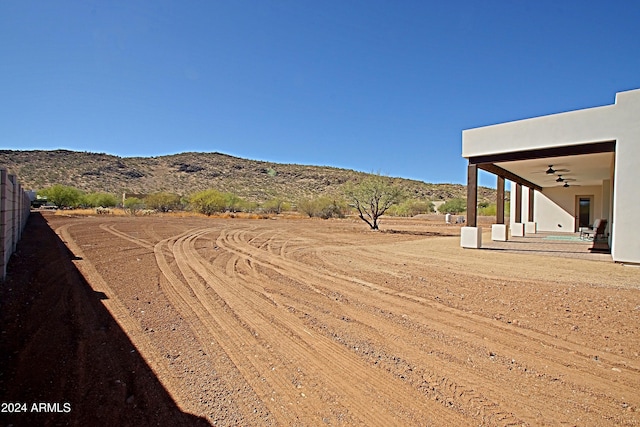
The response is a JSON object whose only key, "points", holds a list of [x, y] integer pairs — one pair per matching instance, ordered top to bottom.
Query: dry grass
{"points": [[176, 214]]}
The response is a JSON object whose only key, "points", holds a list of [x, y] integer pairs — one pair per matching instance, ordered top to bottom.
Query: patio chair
{"points": [[599, 226]]}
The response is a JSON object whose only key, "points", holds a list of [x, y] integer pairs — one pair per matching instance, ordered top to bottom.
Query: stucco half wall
{"points": [[618, 193]]}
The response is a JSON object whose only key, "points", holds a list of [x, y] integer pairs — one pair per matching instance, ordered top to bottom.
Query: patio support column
{"points": [[472, 195], [531, 195], [500, 201], [518, 204], [530, 227], [500, 231], [471, 234]]}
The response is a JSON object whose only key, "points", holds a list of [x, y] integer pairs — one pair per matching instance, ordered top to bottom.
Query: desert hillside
{"points": [[186, 173]]}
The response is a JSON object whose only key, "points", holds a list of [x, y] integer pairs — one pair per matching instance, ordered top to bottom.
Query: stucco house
{"points": [[567, 170]]}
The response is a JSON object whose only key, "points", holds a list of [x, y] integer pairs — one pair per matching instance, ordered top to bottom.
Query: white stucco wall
{"points": [[558, 130], [555, 210], [625, 241]]}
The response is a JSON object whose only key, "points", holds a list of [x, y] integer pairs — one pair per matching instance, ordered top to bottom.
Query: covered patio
{"points": [[566, 170]]}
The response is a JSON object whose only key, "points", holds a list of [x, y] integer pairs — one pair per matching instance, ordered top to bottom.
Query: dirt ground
{"points": [[283, 322]]}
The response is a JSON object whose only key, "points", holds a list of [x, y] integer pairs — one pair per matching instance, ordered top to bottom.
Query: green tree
{"points": [[62, 196], [372, 197], [105, 200], [162, 201], [208, 202], [232, 202], [133, 205], [246, 206], [274, 206], [454, 206], [306, 207], [324, 207], [330, 207], [412, 207], [486, 209], [491, 209]]}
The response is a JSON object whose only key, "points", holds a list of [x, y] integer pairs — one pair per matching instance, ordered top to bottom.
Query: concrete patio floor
{"points": [[566, 245]]}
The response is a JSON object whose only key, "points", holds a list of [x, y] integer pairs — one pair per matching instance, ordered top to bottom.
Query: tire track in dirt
{"points": [[180, 297], [227, 333], [232, 334], [547, 340], [300, 345], [533, 349], [565, 364], [602, 379], [579, 386], [440, 389], [488, 411]]}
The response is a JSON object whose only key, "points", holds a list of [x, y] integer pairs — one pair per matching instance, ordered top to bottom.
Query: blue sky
{"points": [[384, 86]]}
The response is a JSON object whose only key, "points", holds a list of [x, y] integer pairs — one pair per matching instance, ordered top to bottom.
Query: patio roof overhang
{"points": [[580, 164], [584, 164]]}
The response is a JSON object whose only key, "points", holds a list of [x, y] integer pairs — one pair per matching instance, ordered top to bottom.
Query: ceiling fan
{"points": [[552, 171], [564, 180]]}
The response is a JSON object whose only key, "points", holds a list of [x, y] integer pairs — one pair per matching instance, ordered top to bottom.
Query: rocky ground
{"points": [[203, 321]]}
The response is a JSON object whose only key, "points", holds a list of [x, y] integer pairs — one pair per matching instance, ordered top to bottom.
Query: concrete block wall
{"points": [[14, 212]]}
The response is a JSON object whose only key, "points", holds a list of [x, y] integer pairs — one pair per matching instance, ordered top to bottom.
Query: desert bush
{"points": [[62, 196], [104, 200], [162, 201], [212, 201], [208, 202], [233, 203], [132, 205], [247, 206], [275, 206], [306, 206], [454, 206], [323, 207], [329, 207], [412, 207], [491, 209], [487, 210]]}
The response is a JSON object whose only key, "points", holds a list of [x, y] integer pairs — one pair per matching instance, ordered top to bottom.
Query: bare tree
{"points": [[372, 197]]}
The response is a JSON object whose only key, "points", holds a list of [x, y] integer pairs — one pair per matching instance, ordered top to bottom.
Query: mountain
{"points": [[186, 173]]}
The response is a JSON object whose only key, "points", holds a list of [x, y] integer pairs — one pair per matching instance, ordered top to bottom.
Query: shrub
{"points": [[63, 196], [95, 200], [162, 201], [208, 202], [232, 202], [133, 204], [275, 206], [305, 206], [454, 206], [323, 207], [412, 207], [330, 208], [491, 209], [487, 210]]}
